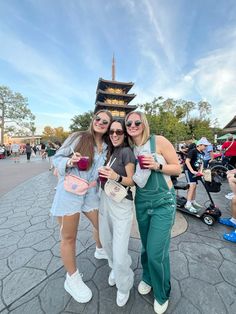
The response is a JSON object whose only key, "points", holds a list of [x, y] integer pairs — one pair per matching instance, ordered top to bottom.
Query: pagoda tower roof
{"points": [[103, 84], [113, 95], [102, 96], [110, 107]]}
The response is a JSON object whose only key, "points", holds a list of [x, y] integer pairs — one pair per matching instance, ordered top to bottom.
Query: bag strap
{"points": [[229, 146]]}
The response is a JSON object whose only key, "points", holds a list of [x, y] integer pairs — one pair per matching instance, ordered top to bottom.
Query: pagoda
{"points": [[113, 96]]}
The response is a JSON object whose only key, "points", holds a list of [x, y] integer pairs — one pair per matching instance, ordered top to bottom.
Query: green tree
{"points": [[188, 106], [204, 109], [13, 110], [81, 122], [201, 128], [54, 134]]}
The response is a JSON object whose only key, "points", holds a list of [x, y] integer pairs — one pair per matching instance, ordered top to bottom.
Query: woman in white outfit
{"points": [[115, 219]]}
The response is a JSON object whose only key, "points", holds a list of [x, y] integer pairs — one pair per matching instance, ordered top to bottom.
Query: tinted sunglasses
{"points": [[104, 121], [137, 123], [118, 132]]}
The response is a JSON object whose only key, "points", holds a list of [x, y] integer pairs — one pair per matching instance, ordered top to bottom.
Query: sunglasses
{"points": [[104, 121], [137, 123], [118, 132]]}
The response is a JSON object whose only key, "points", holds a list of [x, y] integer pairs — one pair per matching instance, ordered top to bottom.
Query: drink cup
{"points": [[140, 160], [83, 163], [102, 179]]}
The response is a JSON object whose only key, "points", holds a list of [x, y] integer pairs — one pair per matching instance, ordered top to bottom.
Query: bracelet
{"points": [[159, 167], [117, 178], [120, 179]]}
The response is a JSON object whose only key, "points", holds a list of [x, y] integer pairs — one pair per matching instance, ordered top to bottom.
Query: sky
{"points": [[54, 51]]}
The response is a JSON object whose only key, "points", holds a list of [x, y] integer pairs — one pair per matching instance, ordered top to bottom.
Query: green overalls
{"points": [[155, 211]]}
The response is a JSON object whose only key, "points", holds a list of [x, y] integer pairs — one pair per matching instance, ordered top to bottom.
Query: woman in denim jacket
{"points": [[67, 206]]}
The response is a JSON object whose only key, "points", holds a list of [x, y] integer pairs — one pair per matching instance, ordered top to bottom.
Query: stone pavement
{"points": [[32, 276]]}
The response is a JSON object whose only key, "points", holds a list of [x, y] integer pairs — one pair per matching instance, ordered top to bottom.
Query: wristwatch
{"points": [[160, 166]]}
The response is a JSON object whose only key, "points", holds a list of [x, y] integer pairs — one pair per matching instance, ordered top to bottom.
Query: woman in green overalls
{"points": [[155, 206]]}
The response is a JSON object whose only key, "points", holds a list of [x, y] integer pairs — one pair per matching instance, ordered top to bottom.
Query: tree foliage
{"points": [[14, 111], [174, 118], [81, 122], [54, 134]]}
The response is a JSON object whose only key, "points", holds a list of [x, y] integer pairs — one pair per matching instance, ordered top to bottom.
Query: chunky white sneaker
{"points": [[191, 209], [100, 253], [111, 279], [75, 286], [144, 288], [122, 298], [160, 308]]}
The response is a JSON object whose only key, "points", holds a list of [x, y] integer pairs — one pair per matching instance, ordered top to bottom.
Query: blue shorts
{"points": [[190, 177]]}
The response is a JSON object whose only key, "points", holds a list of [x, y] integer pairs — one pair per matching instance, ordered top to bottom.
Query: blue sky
{"points": [[54, 51]]}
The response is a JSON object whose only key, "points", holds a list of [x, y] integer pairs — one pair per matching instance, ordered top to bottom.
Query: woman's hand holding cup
{"points": [[147, 161]]}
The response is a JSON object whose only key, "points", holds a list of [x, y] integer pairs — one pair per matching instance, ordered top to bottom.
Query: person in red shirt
{"points": [[229, 151]]}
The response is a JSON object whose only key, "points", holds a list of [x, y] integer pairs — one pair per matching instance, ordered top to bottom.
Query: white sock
{"points": [[189, 203], [233, 220]]}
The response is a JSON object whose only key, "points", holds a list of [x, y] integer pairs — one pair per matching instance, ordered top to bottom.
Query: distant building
{"points": [[113, 96], [230, 127], [33, 140]]}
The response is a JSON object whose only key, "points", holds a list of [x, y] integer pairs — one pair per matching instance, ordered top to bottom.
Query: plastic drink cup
{"points": [[140, 160], [83, 163], [102, 179]]}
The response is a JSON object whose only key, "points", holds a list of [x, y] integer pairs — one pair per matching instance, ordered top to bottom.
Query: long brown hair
{"points": [[86, 142], [85, 145]]}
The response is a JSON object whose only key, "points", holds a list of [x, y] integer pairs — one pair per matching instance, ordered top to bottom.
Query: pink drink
{"points": [[140, 160], [83, 163]]}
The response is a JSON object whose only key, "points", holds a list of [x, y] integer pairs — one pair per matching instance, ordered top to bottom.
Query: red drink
{"points": [[140, 160], [83, 163], [102, 179]]}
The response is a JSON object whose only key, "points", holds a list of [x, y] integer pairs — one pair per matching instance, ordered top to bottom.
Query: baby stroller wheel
{"points": [[208, 220]]}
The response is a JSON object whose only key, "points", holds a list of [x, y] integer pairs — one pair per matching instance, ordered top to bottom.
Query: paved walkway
{"points": [[32, 276]]}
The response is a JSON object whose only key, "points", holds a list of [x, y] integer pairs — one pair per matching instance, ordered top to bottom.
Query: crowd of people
{"points": [[15, 150]]}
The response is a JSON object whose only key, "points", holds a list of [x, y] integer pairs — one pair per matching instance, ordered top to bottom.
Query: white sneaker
{"points": [[229, 196], [196, 205], [191, 209], [100, 253], [111, 279], [75, 286], [144, 288], [122, 298], [160, 309]]}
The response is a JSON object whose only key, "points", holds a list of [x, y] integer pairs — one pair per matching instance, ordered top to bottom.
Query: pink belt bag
{"points": [[77, 185]]}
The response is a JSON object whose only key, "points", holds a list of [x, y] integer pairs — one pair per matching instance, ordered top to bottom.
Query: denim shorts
{"points": [[190, 177]]}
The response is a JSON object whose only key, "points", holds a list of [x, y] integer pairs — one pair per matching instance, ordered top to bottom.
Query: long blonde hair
{"points": [[146, 129]]}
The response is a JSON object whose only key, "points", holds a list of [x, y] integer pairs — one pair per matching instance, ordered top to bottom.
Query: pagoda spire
{"points": [[113, 68]]}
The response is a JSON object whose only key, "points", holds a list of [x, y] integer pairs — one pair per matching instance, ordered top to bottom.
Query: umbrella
{"points": [[225, 136]]}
